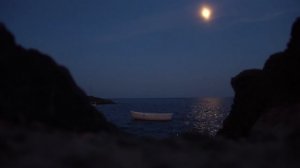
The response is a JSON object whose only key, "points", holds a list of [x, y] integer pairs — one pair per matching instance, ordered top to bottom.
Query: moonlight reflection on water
{"points": [[202, 115], [207, 115]]}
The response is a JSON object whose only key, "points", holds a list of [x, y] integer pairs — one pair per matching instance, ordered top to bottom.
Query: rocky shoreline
{"points": [[99, 101], [46, 120], [31, 148]]}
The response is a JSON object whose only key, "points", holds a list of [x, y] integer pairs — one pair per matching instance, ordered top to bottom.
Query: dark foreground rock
{"points": [[35, 89], [266, 92], [27, 148]]}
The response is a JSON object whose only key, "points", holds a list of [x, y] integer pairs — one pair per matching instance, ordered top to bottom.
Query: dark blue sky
{"points": [[152, 48]]}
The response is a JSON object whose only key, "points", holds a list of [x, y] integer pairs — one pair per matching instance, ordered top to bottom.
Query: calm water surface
{"points": [[203, 115]]}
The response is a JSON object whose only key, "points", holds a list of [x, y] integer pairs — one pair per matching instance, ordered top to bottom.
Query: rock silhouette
{"points": [[35, 89], [258, 92]]}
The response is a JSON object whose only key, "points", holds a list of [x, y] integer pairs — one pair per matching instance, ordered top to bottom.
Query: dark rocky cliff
{"points": [[35, 89], [257, 92]]}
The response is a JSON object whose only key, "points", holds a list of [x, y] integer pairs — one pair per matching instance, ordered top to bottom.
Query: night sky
{"points": [[153, 48]]}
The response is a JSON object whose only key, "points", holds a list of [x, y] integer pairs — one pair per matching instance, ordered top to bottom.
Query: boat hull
{"points": [[151, 116]]}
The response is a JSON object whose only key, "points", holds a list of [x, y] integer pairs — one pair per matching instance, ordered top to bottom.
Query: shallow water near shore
{"points": [[199, 115]]}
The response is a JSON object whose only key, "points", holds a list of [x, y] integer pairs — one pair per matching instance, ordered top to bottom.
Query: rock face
{"points": [[35, 89], [258, 92], [278, 123]]}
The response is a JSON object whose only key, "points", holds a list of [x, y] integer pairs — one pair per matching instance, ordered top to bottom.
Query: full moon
{"points": [[205, 12]]}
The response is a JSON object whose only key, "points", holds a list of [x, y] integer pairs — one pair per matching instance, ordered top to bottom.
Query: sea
{"points": [[190, 115]]}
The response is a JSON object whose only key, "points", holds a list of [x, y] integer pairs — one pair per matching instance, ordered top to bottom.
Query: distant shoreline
{"points": [[98, 101]]}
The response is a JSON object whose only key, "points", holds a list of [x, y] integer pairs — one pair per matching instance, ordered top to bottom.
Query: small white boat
{"points": [[151, 116]]}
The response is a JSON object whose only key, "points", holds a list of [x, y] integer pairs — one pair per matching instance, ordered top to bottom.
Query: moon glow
{"points": [[205, 13]]}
